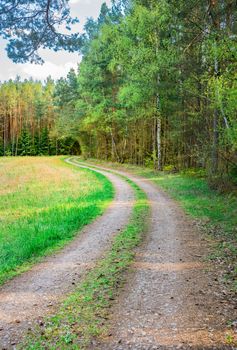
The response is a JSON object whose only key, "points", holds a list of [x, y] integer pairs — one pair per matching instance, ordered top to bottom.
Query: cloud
{"points": [[72, 2], [57, 64], [41, 72]]}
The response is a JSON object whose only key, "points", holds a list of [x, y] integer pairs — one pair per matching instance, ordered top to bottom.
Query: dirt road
{"points": [[26, 299], [172, 299]]}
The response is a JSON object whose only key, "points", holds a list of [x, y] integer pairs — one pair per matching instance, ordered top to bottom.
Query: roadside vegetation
{"points": [[44, 203], [214, 212], [84, 313]]}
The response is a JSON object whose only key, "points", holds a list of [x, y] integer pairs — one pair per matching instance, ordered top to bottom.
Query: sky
{"points": [[57, 64]]}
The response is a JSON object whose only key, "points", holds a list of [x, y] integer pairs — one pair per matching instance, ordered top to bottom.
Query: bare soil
{"points": [[173, 298], [26, 299]]}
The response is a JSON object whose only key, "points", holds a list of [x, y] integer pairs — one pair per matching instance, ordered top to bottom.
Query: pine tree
{"points": [[44, 142], [25, 146]]}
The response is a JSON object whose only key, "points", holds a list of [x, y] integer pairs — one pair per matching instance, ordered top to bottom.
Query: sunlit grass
{"points": [[200, 201], [44, 202], [215, 212], [83, 315]]}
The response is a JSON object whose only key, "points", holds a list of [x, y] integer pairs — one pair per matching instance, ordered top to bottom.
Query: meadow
{"points": [[44, 203]]}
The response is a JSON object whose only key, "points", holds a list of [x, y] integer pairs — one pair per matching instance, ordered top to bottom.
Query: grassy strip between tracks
{"points": [[215, 213], [84, 313]]}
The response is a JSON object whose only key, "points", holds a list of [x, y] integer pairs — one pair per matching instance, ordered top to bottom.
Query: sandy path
{"points": [[27, 298], [172, 299]]}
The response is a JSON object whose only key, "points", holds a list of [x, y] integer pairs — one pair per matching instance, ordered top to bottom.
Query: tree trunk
{"points": [[158, 131], [215, 138], [158, 139]]}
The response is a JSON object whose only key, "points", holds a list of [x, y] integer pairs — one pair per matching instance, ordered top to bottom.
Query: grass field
{"points": [[44, 202]]}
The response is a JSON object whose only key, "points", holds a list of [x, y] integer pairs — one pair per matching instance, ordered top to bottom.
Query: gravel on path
{"points": [[28, 298], [173, 298]]}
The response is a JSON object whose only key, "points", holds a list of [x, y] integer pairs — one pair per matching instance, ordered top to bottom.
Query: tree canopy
{"points": [[31, 24], [156, 86]]}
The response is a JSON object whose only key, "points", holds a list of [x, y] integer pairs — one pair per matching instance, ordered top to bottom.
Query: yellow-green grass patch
{"points": [[44, 203]]}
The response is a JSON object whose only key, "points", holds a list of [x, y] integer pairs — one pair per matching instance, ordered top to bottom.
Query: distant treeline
{"points": [[157, 86], [28, 120]]}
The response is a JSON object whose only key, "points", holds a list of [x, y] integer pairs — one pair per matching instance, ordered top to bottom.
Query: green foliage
{"points": [[28, 25], [163, 62], [156, 86], [29, 115], [44, 142], [25, 144], [1, 147], [233, 173]]}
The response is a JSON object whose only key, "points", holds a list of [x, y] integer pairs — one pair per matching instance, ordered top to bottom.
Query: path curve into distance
{"points": [[26, 299], [172, 299]]}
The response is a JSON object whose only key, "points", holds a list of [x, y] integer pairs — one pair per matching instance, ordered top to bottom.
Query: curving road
{"points": [[26, 299], [172, 299]]}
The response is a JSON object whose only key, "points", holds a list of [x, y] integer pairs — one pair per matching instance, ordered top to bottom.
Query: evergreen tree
{"points": [[30, 24], [156, 86], [44, 142], [25, 144]]}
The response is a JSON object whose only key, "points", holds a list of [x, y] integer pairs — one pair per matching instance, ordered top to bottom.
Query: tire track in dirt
{"points": [[26, 299], [172, 299]]}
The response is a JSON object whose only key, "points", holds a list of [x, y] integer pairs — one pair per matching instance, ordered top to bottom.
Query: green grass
{"points": [[200, 201], [44, 203], [216, 213], [84, 313]]}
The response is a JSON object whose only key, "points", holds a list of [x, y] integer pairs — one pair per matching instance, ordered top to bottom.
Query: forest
{"points": [[156, 87], [118, 181]]}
